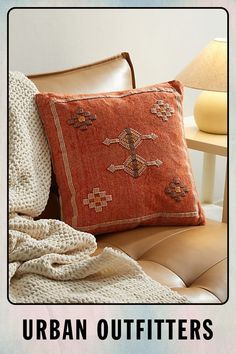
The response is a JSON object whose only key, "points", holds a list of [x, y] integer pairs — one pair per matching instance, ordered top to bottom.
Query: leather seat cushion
{"points": [[190, 260]]}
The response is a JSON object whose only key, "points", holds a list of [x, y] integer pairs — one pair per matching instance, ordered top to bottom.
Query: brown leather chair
{"points": [[190, 260]]}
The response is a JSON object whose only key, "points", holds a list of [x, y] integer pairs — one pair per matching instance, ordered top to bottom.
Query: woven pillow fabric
{"points": [[120, 158]]}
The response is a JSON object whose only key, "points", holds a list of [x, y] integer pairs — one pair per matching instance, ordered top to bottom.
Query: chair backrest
{"points": [[111, 74]]}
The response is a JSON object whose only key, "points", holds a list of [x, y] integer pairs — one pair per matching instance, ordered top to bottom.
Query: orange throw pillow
{"points": [[121, 159]]}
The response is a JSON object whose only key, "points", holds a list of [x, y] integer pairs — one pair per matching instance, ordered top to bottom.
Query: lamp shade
{"points": [[208, 71]]}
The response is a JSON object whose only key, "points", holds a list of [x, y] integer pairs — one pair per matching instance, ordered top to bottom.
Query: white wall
{"points": [[160, 41]]}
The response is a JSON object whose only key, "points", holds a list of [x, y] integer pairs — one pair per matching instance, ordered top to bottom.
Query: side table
{"points": [[211, 145]]}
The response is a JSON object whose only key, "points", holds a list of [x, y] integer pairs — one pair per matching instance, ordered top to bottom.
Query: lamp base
{"points": [[210, 112]]}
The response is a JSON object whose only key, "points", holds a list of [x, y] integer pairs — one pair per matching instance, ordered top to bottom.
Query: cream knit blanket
{"points": [[50, 262]]}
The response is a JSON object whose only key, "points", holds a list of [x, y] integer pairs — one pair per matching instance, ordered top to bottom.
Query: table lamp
{"points": [[208, 72]]}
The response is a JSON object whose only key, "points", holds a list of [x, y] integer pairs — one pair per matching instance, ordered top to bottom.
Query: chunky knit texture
{"points": [[30, 165], [50, 262]]}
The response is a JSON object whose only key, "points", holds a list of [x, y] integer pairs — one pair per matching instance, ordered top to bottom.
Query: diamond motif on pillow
{"points": [[162, 110], [81, 119], [129, 137], [134, 165], [176, 189], [97, 200]]}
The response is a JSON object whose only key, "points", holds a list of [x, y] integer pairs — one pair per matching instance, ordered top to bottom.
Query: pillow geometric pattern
{"points": [[120, 158], [135, 165]]}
